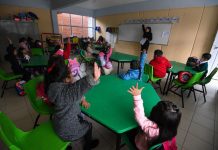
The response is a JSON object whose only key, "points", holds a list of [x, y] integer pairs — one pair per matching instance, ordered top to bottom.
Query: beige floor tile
{"points": [[203, 121], [201, 133], [180, 137], [194, 143]]}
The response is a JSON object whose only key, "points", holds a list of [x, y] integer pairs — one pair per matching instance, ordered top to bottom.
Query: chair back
{"points": [[37, 51], [148, 69], [2, 74], [209, 77], [194, 79], [37, 103], [9, 133], [156, 146]]}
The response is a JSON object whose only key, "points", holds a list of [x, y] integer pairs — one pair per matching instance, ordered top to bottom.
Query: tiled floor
{"points": [[198, 129]]}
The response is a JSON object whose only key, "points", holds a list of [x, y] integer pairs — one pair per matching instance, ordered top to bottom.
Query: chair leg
{"points": [[4, 87], [160, 87], [205, 89], [189, 93], [194, 93], [204, 93], [182, 98], [50, 117], [36, 121]]}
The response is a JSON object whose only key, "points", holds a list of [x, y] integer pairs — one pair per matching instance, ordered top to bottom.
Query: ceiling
{"points": [[95, 4]]}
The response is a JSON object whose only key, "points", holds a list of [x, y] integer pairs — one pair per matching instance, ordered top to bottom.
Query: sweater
{"points": [[160, 66], [131, 74], [66, 97], [150, 130]]}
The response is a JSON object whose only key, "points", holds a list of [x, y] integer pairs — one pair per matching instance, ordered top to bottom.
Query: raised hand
{"points": [[97, 72], [135, 90]]}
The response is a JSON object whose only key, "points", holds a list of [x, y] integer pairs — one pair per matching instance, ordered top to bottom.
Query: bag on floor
{"points": [[19, 87]]}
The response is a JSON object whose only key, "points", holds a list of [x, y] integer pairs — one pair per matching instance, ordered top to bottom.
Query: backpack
{"points": [[184, 76], [19, 87]]}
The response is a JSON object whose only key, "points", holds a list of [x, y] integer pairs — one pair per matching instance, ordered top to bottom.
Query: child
{"points": [[59, 50], [12, 57], [105, 62], [160, 64], [202, 65], [133, 72], [66, 96], [160, 127]]}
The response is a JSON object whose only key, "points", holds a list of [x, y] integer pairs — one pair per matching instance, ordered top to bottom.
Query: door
{"points": [[213, 62]]}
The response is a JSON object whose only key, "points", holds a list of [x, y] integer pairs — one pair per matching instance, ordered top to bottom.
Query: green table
{"points": [[122, 58], [37, 61], [177, 67], [112, 105]]}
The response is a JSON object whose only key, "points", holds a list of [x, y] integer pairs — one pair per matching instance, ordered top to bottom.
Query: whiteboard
{"points": [[133, 32]]}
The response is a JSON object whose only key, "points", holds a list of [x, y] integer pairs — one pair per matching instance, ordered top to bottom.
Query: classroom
{"points": [[109, 75]]}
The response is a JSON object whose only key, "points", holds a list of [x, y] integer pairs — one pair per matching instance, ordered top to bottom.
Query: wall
{"points": [[44, 22], [193, 35]]}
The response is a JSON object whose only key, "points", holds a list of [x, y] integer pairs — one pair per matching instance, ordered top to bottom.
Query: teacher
{"points": [[147, 37]]}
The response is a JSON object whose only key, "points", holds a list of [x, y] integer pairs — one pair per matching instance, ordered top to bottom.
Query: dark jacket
{"points": [[148, 36], [202, 67], [66, 98]]}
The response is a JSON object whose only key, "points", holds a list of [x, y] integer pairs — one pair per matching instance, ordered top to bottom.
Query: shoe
{"points": [[94, 143]]}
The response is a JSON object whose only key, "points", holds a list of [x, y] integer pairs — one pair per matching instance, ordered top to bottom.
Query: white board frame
{"points": [[133, 32]]}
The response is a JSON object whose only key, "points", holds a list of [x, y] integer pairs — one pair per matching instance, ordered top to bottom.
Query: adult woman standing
{"points": [[147, 37]]}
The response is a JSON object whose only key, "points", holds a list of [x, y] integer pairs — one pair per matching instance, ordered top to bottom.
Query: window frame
{"points": [[70, 25]]}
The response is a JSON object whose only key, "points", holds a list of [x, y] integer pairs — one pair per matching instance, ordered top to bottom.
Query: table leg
{"points": [[122, 65], [118, 67], [170, 82], [164, 90], [118, 142]]}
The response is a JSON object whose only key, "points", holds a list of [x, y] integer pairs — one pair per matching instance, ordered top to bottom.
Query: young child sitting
{"points": [[105, 62], [160, 64], [202, 64], [133, 72], [66, 98], [160, 127]]}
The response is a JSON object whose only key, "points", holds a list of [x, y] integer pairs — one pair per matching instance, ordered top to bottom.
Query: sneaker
{"points": [[94, 143]]}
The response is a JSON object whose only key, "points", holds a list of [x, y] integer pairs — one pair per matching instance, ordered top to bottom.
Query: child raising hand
{"points": [[160, 127]]}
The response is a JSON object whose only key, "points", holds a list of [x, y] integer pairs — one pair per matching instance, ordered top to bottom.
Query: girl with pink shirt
{"points": [[160, 127]]}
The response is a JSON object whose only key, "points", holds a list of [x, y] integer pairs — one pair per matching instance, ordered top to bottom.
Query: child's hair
{"points": [[149, 28], [23, 39], [158, 53], [206, 56], [134, 64], [57, 71], [167, 116]]}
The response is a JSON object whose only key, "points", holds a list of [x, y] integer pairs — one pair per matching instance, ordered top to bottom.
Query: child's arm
{"points": [[67, 50], [79, 88], [84, 103], [148, 127]]}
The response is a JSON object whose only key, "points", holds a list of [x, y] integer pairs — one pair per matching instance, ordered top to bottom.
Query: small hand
{"points": [[9, 40], [97, 72], [135, 90], [85, 104]]}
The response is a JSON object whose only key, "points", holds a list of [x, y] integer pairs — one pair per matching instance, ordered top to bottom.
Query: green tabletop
{"points": [[121, 57], [37, 61], [177, 67], [112, 105]]}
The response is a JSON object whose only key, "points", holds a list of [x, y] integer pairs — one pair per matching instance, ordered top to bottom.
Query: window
{"points": [[75, 25]]}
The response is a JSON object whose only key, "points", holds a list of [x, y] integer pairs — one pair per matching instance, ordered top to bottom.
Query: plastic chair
{"points": [[37, 51], [148, 69], [5, 77], [206, 81], [187, 86], [37, 103], [41, 138], [154, 147]]}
